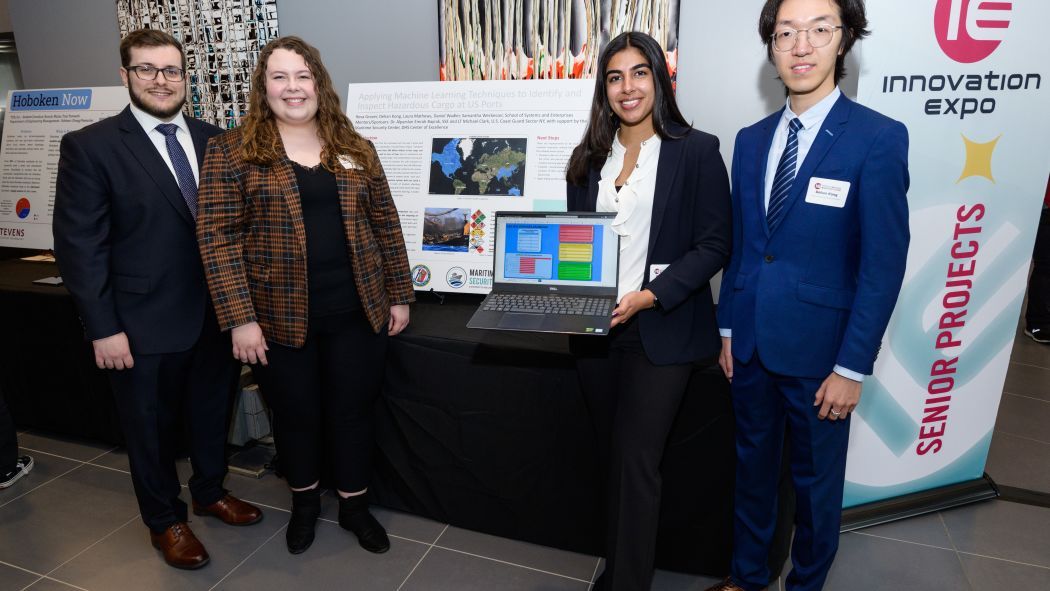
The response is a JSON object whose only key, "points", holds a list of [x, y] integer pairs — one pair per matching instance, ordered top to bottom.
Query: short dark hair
{"points": [[854, 23], [147, 38], [603, 123]]}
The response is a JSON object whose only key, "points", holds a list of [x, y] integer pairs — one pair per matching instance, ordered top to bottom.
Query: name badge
{"points": [[348, 162], [827, 192], [655, 270]]}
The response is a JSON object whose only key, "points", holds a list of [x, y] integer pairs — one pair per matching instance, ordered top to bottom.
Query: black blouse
{"points": [[330, 277]]}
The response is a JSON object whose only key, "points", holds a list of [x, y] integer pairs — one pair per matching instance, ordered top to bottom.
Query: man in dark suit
{"points": [[124, 225], [820, 238]]}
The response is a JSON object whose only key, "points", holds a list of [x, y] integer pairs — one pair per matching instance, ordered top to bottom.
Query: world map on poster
{"points": [[478, 166]]}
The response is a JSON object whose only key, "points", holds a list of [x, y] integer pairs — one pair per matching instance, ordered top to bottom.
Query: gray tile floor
{"points": [[73, 524]]}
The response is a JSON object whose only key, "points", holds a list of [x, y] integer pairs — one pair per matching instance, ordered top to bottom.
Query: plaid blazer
{"points": [[253, 243]]}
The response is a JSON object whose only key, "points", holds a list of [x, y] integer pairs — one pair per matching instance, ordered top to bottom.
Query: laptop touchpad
{"points": [[520, 321]]}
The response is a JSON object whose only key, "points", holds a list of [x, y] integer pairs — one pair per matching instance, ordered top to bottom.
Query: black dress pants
{"points": [[1037, 315], [324, 394], [155, 399], [633, 404], [8, 438]]}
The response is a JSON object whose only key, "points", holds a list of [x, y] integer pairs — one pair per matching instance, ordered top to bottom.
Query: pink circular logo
{"points": [[969, 31], [816, 186]]}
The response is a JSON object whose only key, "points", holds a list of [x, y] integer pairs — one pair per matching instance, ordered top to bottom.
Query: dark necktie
{"points": [[181, 164], [785, 176]]}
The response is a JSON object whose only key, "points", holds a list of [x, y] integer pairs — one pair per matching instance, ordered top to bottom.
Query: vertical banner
{"points": [[972, 92], [35, 122]]}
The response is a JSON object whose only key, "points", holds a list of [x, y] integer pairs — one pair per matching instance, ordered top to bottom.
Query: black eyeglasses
{"points": [[171, 74]]}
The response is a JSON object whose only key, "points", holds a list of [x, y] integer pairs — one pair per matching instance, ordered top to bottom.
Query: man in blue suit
{"points": [[820, 238]]}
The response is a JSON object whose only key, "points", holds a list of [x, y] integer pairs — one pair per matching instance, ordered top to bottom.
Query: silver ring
{"points": [[835, 413]]}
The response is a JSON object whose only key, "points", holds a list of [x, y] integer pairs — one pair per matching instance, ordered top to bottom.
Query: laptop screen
{"points": [[563, 249]]}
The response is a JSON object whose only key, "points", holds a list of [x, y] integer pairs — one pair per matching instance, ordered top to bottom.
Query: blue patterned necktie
{"points": [[181, 164], [785, 176]]}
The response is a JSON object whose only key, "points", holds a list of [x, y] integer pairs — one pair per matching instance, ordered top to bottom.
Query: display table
{"points": [[47, 369], [483, 430]]}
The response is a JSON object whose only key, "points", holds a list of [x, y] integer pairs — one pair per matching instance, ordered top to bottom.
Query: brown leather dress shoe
{"points": [[230, 510], [181, 548], [726, 585]]}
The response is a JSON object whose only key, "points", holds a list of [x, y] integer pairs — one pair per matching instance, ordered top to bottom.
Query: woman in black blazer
{"points": [[668, 185]]}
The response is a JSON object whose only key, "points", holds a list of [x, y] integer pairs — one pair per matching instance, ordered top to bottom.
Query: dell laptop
{"points": [[552, 272]]}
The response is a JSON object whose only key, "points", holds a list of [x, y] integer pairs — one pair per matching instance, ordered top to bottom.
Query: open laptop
{"points": [[552, 272]]}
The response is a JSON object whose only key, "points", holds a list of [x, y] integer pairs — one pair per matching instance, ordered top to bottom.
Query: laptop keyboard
{"points": [[548, 304]]}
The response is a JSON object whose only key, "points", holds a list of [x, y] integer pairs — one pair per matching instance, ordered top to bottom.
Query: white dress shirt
{"points": [[812, 120], [149, 124], [633, 205]]}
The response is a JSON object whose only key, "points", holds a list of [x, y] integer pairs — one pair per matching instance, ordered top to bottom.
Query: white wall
{"points": [[76, 42], [725, 81]]}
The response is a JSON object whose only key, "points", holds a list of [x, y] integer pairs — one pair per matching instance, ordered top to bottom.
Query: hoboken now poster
{"points": [[973, 94]]}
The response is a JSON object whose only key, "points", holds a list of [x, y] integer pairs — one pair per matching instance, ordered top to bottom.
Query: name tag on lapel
{"points": [[348, 162], [827, 192], [655, 270]]}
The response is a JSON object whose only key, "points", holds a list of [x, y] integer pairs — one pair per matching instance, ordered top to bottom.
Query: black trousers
{"points": [[1037, 314], [323, 394], [159, 396], [633, 404], [8, 438]]}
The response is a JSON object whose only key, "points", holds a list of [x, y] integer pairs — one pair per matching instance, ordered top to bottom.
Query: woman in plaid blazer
{"points": [[306, 265]]}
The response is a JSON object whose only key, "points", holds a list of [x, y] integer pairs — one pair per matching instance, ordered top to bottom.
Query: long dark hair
{"points": [[854, 28], [601, 129]]}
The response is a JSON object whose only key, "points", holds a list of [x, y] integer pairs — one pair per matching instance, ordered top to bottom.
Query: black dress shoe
{"points": [[306, 508], [354, 516]]}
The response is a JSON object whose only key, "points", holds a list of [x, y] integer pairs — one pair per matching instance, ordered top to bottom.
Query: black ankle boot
{"points": [[306, 508], [354, 516]]}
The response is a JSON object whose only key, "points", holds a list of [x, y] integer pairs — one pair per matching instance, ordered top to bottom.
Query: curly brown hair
{"points": [[262, 142]]}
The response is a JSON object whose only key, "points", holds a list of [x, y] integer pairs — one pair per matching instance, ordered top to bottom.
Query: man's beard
{"points": [[156, 112]]}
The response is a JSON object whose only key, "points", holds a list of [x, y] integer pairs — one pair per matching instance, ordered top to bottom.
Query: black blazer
{"points": [[691, 231], [125, 240]]}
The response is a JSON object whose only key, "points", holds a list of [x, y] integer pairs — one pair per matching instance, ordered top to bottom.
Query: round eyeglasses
{"points": [[818, 36], [171, 74]]}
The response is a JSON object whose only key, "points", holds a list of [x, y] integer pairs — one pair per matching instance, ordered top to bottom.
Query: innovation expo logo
{"points": [[969, 31], [22, 208]]}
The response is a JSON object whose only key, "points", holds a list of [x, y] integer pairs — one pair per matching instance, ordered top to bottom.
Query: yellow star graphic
{"points": [[978, 158]]}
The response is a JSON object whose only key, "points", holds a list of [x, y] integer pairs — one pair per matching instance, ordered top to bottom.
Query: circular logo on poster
{"points": [[969, 31], [22, 208], [420, 275], [456, 277]]}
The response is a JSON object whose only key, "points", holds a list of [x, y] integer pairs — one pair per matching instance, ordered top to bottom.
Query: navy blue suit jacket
{"points": [[690, 232], [125, 240], [819, 290]]}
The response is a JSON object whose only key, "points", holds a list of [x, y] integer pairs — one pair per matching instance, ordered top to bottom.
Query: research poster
{"points": [[973, 93], [34, 124], [454, 153]]}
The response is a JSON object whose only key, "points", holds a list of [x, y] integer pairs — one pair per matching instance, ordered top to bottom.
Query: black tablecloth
{"points": [[47, 369], [483, 430], [487, 430]]}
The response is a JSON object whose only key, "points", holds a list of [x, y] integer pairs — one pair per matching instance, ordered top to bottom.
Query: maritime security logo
{"points": [[968, 32], [456, 277]]}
